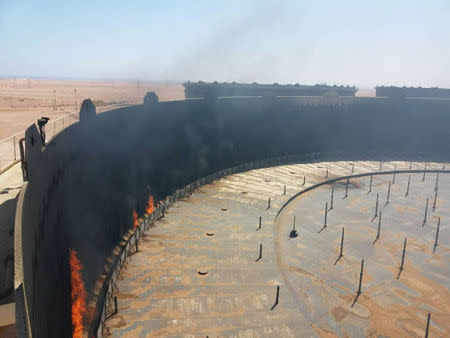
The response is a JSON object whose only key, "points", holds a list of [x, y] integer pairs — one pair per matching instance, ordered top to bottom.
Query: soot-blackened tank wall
{"points": [[88, 180]]}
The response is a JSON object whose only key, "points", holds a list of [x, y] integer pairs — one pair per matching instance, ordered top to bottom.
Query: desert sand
{"points": [[23, 101]]}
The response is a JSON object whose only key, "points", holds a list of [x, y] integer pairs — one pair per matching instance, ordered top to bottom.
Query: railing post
{"points": [[14, 142]]}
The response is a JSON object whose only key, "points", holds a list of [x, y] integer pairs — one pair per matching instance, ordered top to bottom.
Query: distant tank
{"points": [[205, 89]]}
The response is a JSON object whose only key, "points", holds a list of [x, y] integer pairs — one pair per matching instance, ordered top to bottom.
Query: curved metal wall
{"points": [[85, 183]]}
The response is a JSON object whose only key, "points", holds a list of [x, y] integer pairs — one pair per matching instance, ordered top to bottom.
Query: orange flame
{"points": [[150, 205], [135, 219], [78, 294]]}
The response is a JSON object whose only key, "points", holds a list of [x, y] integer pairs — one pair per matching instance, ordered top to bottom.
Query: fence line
{"points": [[9, 147]]}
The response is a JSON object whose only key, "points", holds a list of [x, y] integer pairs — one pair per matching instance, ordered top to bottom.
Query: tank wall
{"points": [[84, 185]]}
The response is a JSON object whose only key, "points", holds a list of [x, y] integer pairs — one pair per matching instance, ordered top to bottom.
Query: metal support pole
{"points": [[14, 142], [381, 165], [353, 168], [424, 172], [326, 173], [393, 178], [304, 180], [437, 181], [370, 184], [346, 187], [407, 187], [284, 191], [388, 194], [332, 197], [435, 197], [268, 204], [376, 208], [426, 212], [326, 215], [259, 223], [379, 227], [293, 233], [437, 235], [341, 252], [260, 253], [403, 258], [360, 277], [358, 293], [276, 300], [428, 325]]}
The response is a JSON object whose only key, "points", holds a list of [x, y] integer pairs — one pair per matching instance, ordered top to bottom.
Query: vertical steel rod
{"points": [[14, 142], [381, 165], [353, 168], [395, 170], [424, 172], [326, 174], [304, 179], [437, 181], [370, 184], [346, 187], [407, 187], [284, 191], [388, 194], [332, 197], [435, 197], [376, 208], [426, 212], [326, 215], [294, 222], [379, 226], [437, 235], [341, 252], [260, 253], [403, 255], [360, 277], [276, 300], [428, 325]]}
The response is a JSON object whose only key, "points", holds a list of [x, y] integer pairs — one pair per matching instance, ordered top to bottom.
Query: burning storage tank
{"points": [[93, 193]]}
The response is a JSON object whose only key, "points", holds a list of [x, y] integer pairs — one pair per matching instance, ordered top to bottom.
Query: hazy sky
{"points": [[365, 43]]}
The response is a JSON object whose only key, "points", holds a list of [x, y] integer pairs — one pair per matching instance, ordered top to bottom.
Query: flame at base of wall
{"points": [[150, 205], [135, 219], [78, 295]]}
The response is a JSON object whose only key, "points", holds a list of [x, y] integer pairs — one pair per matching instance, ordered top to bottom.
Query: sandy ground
{"points": [[22, 101]]}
